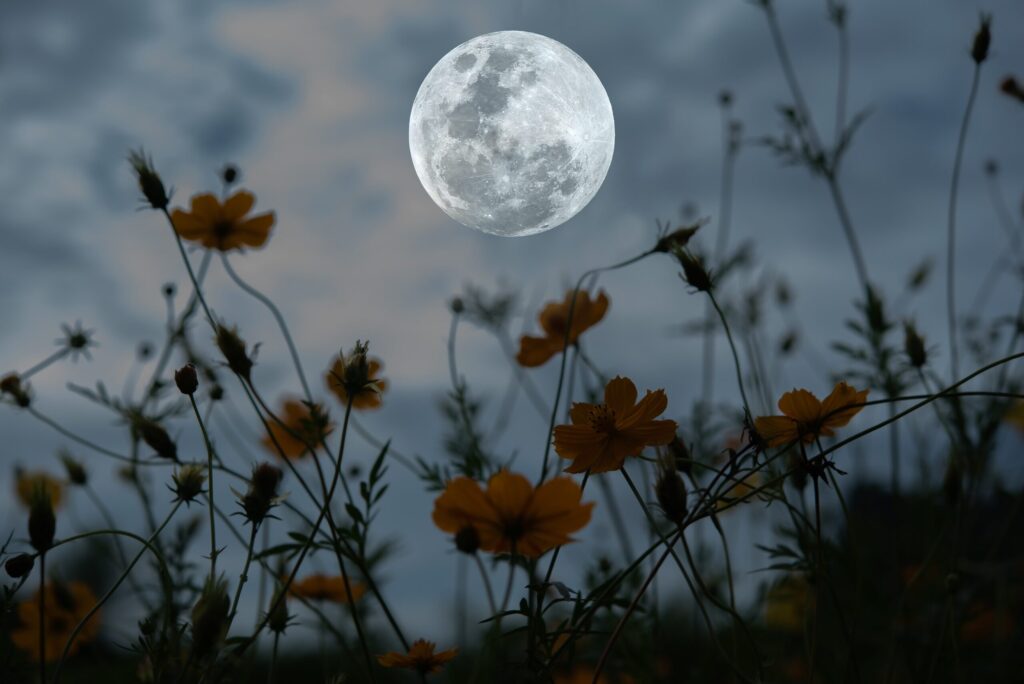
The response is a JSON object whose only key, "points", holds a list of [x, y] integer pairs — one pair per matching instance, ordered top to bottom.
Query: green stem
{"points": [[951, 234], [735, 354], [209, 467], [244, 577], [110, 592], [42, 619]]}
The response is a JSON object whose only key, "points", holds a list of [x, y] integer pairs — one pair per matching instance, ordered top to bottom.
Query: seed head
{"points": [[982, 39], [150, 184], [694, 273], [913, 345], [233, 349], [11, 384], [153, 434], [74, 468], [188, 482], [671, 492], [261, 496], [42, 523], [210, 618]]}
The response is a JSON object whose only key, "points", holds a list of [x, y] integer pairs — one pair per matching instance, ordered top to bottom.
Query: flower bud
{"points": [[982, 40], [229, 174], [150, 184], [678, 238], [694, 273], [457, 305], [913, 345], [233, 349], [187, 379], [11, 384], [157, 439], [680, 454], [75, 470], [188, 482], [671, 492], [261, 496], [42, 523], [467, 539], [19, 565], [279, 618], [210, 619]]}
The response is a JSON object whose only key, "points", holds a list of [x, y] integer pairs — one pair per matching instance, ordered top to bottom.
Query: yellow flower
{"points": [[223, 226], [535, 351], [369, 394], [806, 417], [302, 427], [603, 435], [26, 482], [511, 514], [319, 587], [787, 603], [66, 605], [421, 657]]}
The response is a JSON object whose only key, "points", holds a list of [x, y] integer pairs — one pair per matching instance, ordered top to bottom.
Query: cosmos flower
{"points": [[223, 226], [535, 351], [359, 375], [807, 418], [304, 425], [603, 435], [26, 482], [511, 514], [320, 587], [66, 605], [421, 657]]}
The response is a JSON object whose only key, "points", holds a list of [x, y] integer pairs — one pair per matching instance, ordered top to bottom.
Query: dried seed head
{"points": [[982, 39], [150, 184], [678, 238], [694, 273], [913, 345], [233, 349], [187, 379], [153, 434], [74, 468], [188, 482], [671, 492], [261, 495], [42, 523], [467, 540], [278, 617], [210, 618]]}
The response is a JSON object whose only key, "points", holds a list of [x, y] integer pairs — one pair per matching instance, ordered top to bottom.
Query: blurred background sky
{"points": [[311, 99]]}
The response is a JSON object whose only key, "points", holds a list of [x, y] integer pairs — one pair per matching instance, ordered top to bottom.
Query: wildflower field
{"points": [[239, 509]]}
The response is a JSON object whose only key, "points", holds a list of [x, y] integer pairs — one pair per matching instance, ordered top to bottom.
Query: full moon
{"points": [[511, 133]]}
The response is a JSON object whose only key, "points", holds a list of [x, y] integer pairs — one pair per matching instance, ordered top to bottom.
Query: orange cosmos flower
{"points": [[223, 226], [535, 351], [357, 370], [806, 418], [303, 426], [603, 435], [26, 482], [511, 514], [320, 587], [66, 605], [421, 657]]}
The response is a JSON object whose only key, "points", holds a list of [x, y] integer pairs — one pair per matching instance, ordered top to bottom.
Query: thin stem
{"points": [[951, 235], [191, 274], [267, 302], [735, 354], [52, 358], [209, 469], [244, 577], [487, 584], [110, 592], [42, 618]]}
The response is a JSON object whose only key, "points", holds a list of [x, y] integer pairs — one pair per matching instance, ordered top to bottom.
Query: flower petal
{"points": [[238, 205], [206, 206], [255, 231], [535, 351], [620, 395], [841, 405], [801, 406], [647, 409], [776, 430], [652, 432], [573, 440], [509, 494], [463, 502]]}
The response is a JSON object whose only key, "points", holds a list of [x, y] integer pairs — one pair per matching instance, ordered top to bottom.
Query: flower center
{"points": [[222, 229], [602, 419], [515, 528]]}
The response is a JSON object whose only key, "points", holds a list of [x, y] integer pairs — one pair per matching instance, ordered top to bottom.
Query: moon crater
{"points": [[511, 133]]}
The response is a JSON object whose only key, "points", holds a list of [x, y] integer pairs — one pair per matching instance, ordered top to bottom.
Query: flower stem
{"points": [[951, 234], [735, 354], [52, 358], [209, 467], [244, 577], [487, 584], [110, 592], [42, 618]]}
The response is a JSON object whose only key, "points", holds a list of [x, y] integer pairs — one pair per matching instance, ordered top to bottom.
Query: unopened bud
{"points": [[982, 39], [229, 173], [150, 184], [694, 273], [457, 305], [187, 379], [11, 384], [680, 454], [671, 492], [261, 496], [42, 523], [19, 565], [278, 618], [210, 619]]}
